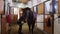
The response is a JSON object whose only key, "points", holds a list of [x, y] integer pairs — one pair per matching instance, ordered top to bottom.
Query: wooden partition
{"points": [[1, 6], [58, 6], [40, 8], [12, 19], [15, 19], [3, 21], [46, 28]]}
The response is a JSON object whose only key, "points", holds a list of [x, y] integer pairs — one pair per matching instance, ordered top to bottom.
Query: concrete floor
{"points": [[14, 29]]}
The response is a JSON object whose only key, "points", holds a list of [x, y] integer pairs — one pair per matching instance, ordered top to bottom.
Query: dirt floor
{"points": [[25, 30]]}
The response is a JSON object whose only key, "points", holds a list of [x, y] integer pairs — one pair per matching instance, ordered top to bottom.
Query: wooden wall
{"points": [[1, 6], [58, 6], [40, 8], [4, 22], [3, 25], [3, 28], [46, 28]]}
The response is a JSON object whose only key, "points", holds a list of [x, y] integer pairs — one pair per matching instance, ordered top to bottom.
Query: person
{"points": [[20, 19], [30, 19]]}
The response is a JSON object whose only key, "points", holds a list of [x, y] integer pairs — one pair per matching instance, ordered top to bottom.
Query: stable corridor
{"points": [[47, 20], [14, 29]]}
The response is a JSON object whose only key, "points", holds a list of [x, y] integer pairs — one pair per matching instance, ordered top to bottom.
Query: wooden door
{"points": [[46, 28]]}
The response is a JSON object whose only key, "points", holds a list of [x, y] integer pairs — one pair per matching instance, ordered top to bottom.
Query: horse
{"points": [[30, 17]]}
